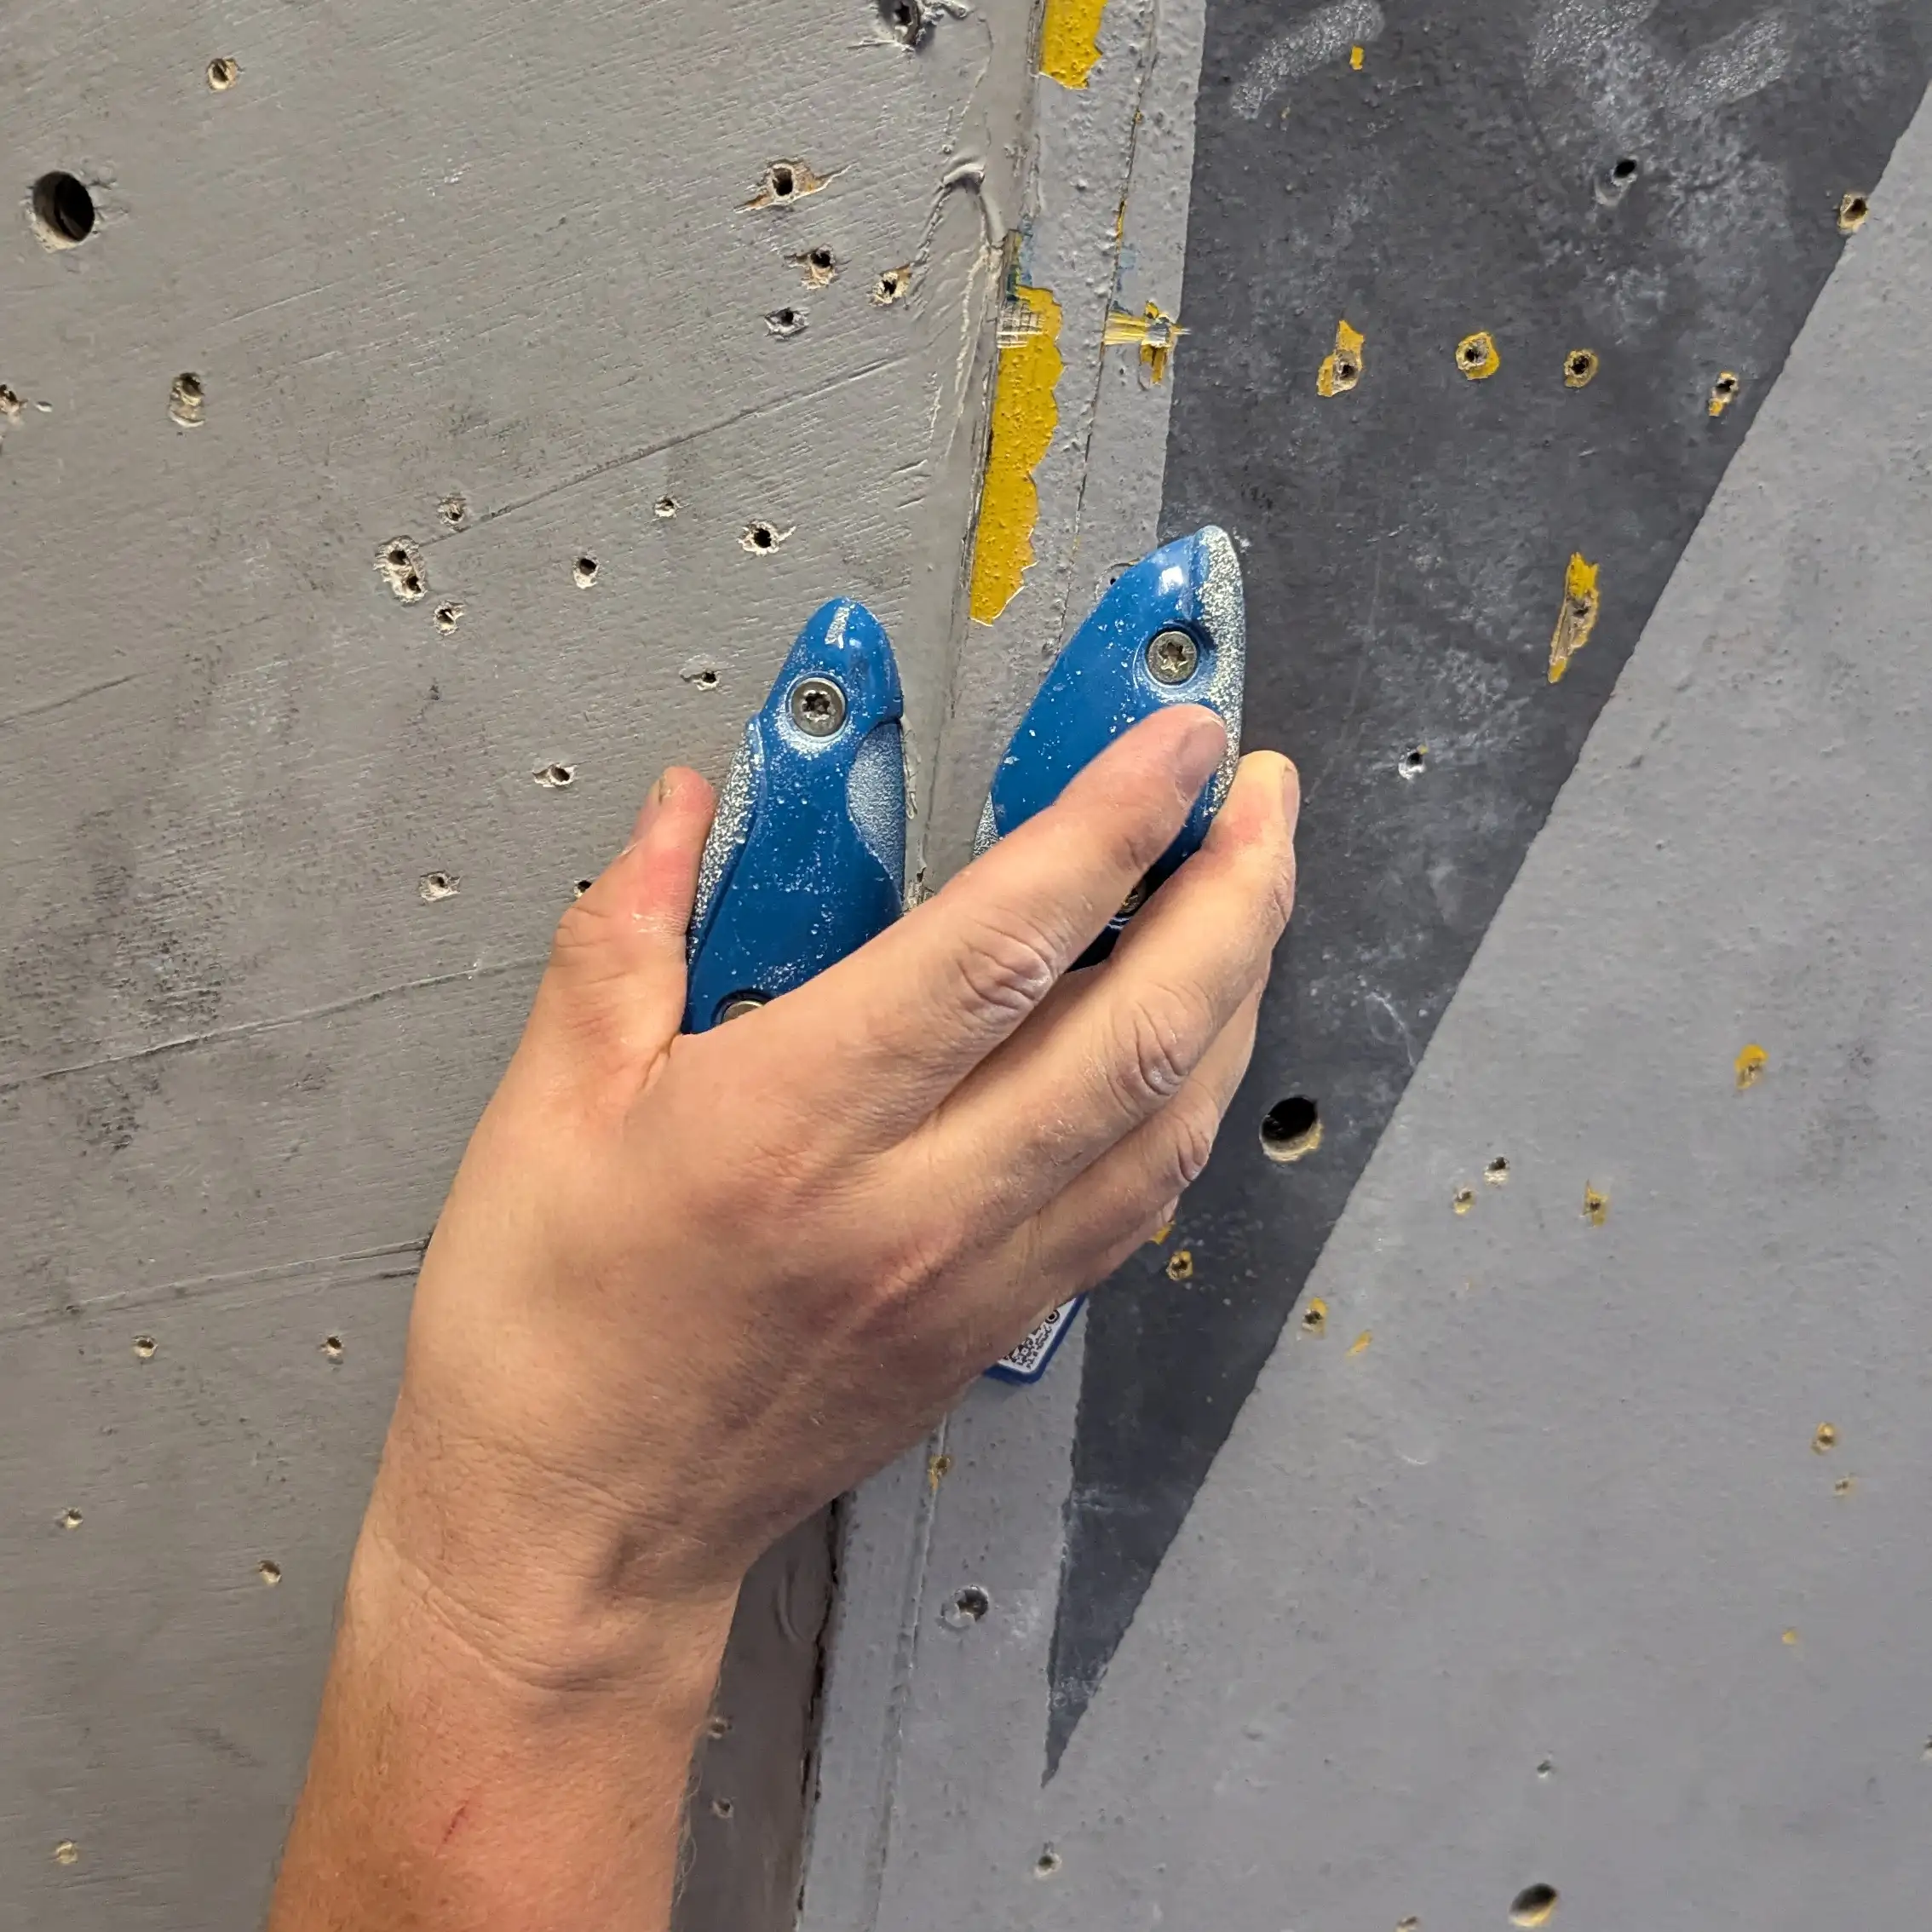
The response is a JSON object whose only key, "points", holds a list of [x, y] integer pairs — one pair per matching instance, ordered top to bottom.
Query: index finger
{"points": [[897, 1025]]}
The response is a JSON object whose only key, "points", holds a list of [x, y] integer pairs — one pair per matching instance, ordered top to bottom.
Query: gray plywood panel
{"points": [[409, 259]]}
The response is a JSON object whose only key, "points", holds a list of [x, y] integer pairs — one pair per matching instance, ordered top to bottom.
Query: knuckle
{"points": [[1006, 969], [1156, 1052], [1192, 1127]]}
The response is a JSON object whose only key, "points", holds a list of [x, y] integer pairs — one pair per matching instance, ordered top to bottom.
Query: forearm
{"points": [[452, 1790]]}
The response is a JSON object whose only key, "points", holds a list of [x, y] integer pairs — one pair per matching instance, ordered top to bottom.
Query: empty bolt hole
{"points": [[904, 20], [223, 73], [1626, 170], [781, 181], [63, 210], [1853, 211], [891, 285], [786, 321], [665, 506], [453, 510], [759, 535], [584, 572], [448, 617], [1415, 761], [555, 778], [433, 886], [581, 887], [1290, 1128], [1496, 1173], [143, 1346], [332, 1346], [70, 1519], [270, 1571], [969, 1605], [717, 1725], [1546, 1767], [722, 1808], [66, 1852], [1046, 1864], [1535, 1905]]}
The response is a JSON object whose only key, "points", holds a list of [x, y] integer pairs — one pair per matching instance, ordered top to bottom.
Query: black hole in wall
{"points": [[1626, 170], [783, 181], [64, 207], [820, 258], [762, 535], [1288, 1127], [971, 1604], [1533, 1905]]}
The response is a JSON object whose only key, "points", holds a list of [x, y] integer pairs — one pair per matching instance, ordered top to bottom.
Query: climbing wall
{"points": [[414, 433], [1496, 1501]]}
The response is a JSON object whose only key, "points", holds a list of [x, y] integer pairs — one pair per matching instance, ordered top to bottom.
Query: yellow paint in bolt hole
{"points": [[1070, 40], [1357, 54], [1156, 332], [1478, 357], [1344, 369], [1724, 391], [1024, 417], [1582, 601], [1751, 1065], [1464, 1199], [1596, 1206], [1181, 1265], [1314, 1317], [1361, 1342], [1824, 1439], [938, 1468], [66, 1852]]}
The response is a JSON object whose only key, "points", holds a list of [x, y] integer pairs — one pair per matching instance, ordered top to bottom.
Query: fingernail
{"points": [[1198, 751], [1290, 792], [653, 802]]}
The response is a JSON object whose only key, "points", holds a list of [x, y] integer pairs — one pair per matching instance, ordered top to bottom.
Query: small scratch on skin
{"points": [[1327, 34]]}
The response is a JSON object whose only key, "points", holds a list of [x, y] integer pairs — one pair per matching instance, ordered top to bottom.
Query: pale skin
{"points": [[686, 1290]]}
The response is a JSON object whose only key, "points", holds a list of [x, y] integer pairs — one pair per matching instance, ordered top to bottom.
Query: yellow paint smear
{"points": [[1070, 40], [1356, 56], [1155, 331], [1478, 357], [1344, 369], [1024, 417], [1582, 601], [1751, 1065], [1596, 1206], [1361, 1342], [937, 1468]]}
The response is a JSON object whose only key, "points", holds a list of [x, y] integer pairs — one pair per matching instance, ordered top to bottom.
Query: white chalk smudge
{"points": [[1573, 30], [1313, 41], [1745, 62]]}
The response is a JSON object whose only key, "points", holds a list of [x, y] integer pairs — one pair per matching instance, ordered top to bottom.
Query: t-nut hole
{"points": [[63, 209], [1290, 1128], [969, 1606], [1535, 1905]]}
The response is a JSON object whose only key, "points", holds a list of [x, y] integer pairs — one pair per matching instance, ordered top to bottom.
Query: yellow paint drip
{"points": [[1070, 40], [1155, 331], [1478, 357], [1344, 369], [1024, 417], [1582, 601], [1751, 1065], [1361, 1342]]}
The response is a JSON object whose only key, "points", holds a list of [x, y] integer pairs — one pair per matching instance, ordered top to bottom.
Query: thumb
{"points": [[614, 988]]}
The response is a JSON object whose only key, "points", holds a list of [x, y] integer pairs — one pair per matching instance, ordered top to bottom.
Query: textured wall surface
{"points": [[280, 860]]}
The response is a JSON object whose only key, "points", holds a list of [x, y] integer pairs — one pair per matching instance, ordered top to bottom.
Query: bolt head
{"points": [[1172, 657], [817, 706]]}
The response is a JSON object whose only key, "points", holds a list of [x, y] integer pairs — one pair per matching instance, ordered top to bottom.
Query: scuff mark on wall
{"points": [[1328, 33], [1070, 40], [1743, 63], [1024, 417], [1582, 601]]}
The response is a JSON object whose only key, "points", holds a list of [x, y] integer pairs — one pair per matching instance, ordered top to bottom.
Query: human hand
{"points": [[688, 1288]]}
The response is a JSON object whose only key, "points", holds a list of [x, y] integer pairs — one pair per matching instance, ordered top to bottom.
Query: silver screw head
{"points": [[1172, 657], [818, 706], [739, 1004]]}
